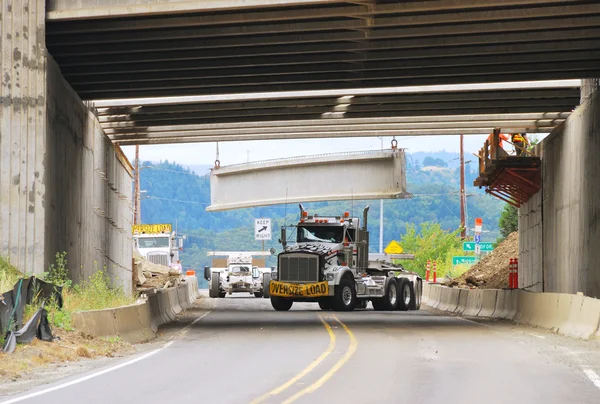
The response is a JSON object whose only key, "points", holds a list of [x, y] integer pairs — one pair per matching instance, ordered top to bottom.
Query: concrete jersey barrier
{"points": [[572, 315], [138, 322]]}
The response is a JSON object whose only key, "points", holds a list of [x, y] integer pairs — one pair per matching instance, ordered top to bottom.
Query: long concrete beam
{"points": [[330, 177]]}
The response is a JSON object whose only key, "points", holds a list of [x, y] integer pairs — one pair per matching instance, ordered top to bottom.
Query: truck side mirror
{"points": [[180, 243], [207, 273]]}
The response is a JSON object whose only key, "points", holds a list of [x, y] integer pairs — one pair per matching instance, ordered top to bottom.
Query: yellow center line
{"points": [[338, 365], [306, 370]]}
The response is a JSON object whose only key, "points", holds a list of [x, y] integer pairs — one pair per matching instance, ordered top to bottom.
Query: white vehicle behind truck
{"points": [[158, 243], [330, 265], [238, 272]]}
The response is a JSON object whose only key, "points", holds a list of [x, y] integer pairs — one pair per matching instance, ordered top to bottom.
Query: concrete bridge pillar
{"points": [[588, 86], [22, 133]]}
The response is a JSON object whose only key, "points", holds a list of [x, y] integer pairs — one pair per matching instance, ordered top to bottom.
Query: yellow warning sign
{"points": [[393, 248]]}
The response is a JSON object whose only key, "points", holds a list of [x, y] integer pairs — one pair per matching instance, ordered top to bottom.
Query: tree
{"points": [[437, 162], [509, 220]]}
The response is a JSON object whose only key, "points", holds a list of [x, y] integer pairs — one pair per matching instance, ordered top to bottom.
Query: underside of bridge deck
{"points": [[252, 46]]}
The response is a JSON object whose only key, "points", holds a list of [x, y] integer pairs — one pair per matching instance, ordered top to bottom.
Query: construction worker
{"points": [[501, 137], [520, 141]]}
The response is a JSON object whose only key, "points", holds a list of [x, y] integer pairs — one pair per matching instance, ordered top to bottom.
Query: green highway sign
{"points": [[470, 246], [463, 260]]}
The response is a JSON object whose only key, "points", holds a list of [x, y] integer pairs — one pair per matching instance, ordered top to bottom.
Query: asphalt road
{"points": [[242, 351]]}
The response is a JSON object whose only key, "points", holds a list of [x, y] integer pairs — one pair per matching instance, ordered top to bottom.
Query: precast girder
{"points": [[329, 177]]}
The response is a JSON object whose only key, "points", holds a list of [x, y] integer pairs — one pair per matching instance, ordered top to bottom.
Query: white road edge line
{"points": [[100, 373], [593, 376]]}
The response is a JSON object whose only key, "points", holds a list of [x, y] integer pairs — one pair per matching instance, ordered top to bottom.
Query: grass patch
{"points": [[9, 275], [95, 294]]}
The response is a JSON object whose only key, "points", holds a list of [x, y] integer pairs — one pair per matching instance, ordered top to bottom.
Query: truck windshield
{"points": [[324, 234], [153, 242], [240, 270]]}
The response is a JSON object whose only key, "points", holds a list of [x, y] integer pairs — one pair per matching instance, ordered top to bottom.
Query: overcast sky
{"points": [[239, 152]]}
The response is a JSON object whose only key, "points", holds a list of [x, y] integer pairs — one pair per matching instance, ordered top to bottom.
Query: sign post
{"points": [[478, 229], [262, 230]]}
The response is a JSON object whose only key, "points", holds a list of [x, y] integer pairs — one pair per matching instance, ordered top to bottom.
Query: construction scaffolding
{"points": [[509, 177]]}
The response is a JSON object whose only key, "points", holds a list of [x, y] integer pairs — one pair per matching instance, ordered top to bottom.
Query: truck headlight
{"points": [[274, 275], [330, 277]]}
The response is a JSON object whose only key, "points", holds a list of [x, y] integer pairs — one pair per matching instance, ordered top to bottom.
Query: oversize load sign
{"points": [[151, 228], [294, 290]]}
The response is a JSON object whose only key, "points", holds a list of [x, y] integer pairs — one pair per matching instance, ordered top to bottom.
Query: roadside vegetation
{"points": [[430, 242], [93, 294]]}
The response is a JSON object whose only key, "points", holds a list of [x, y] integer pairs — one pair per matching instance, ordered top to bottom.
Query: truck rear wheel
{"points": [[417, 289], [213, 290], [258, 294], [406, 295], [344, 298], [389, 301], [281, 303]]}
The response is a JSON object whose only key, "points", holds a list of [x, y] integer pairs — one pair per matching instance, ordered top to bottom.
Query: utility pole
{"points": [[137, 214], [381, 215], [463, 232]]}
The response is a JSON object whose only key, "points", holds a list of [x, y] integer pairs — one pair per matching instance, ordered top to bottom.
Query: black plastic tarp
{"points": [[12, 307]]}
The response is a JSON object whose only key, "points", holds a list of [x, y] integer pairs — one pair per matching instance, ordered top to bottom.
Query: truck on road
{"points": [[158, 243], [330, 265], [239, 272]]}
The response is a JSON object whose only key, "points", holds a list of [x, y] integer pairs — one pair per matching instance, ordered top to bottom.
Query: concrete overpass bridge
{"points": [[65, 186]]}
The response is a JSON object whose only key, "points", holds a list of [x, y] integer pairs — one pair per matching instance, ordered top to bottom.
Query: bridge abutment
{"points": [[63, 185], [560, 227]]}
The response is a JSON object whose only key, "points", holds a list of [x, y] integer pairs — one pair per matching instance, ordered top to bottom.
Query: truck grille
{"points": [[161, 259], [299, 268]]}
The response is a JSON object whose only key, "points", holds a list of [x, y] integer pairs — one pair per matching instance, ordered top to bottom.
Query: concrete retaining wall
{"points": [[88, 189], [572, 315], [139, 322]]}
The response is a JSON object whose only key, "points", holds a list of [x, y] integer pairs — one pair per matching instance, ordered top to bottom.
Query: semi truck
{"points": [[158, 243], [329, 264], [238, 272]]}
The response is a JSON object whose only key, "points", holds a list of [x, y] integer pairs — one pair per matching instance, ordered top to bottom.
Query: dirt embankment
{"points": [[492, 271]]}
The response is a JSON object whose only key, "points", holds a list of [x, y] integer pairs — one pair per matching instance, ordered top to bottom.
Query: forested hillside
{"points": [[175, 194]]}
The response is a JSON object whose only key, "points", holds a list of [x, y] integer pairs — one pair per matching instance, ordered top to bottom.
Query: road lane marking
{"points": [[184, 330], [170, 342], [338, 365], [304, 371], [593, 376], [88, 377]]}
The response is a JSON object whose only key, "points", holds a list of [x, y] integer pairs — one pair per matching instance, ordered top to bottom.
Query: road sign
{"points": [[262, 229], [477, 238], [471, 246], [393, 248], [463, 260]]}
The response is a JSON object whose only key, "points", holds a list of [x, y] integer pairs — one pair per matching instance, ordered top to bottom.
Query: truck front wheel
{"points": [[258, 294], [345, 296], [281, 303], [325, 303]]}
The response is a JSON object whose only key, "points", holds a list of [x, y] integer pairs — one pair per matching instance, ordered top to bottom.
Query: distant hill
{"points": [[177, 194]]}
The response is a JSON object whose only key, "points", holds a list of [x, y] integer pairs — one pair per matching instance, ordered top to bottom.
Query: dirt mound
{"points": [[492, 271]]}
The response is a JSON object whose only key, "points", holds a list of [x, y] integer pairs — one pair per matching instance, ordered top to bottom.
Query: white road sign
{"points": [[262, 229]]}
